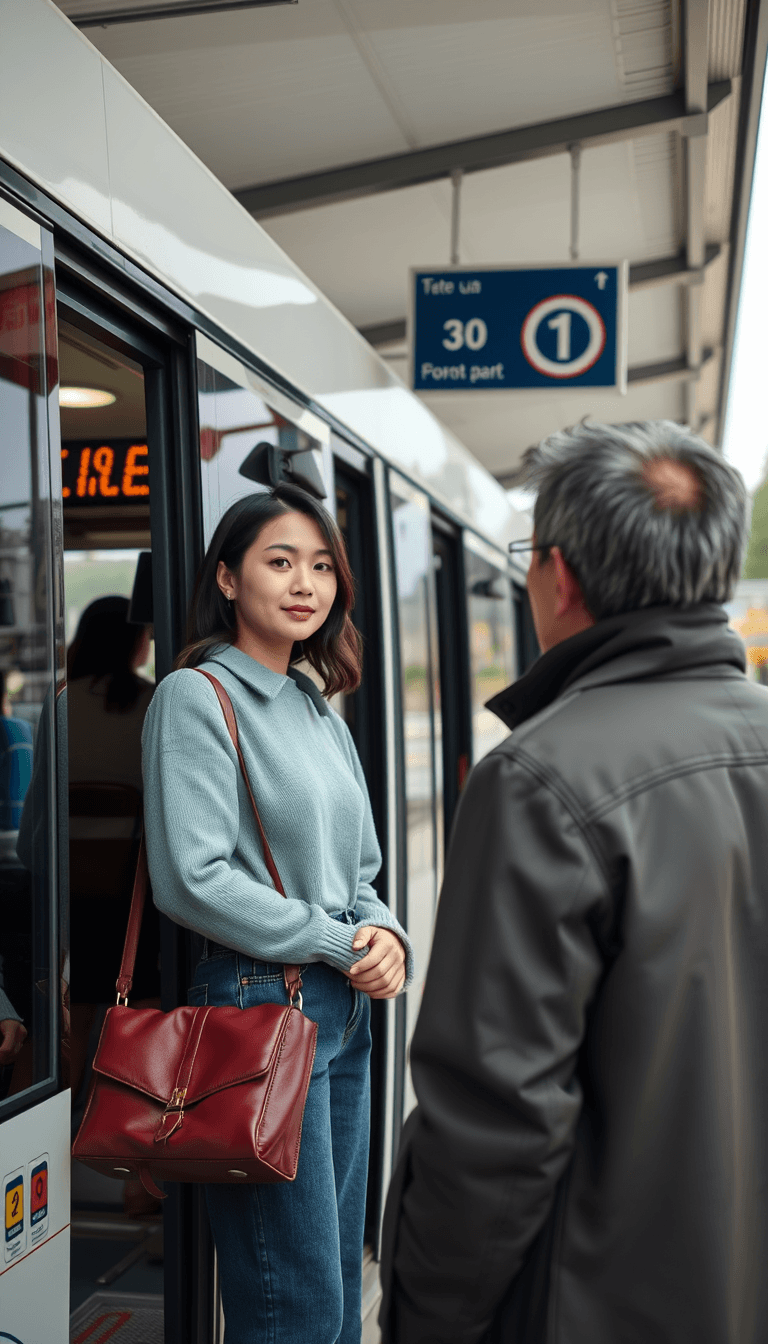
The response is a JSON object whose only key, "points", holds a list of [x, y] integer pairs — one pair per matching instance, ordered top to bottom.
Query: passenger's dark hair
{"points": [[628, 546], [105, 645], [335, 650]]}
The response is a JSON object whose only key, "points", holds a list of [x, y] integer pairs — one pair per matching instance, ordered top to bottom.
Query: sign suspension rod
{"points": [[575, 153], [457, 177]]}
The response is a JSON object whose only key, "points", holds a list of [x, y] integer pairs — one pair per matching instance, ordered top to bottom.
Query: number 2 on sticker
{"points": [[14, 1208]]}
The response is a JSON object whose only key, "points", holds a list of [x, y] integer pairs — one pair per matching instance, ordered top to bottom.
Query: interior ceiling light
{"points": [[78, 398]]}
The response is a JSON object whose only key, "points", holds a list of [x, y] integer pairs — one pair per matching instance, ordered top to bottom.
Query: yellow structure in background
{"points": [[752, 625]]}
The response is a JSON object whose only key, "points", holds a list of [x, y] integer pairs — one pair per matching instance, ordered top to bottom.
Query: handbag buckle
{"points": [[175, 1107]]}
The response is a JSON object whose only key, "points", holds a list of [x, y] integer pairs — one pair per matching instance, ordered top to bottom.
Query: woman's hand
{"points": [[380, 974], [12, 1036]]}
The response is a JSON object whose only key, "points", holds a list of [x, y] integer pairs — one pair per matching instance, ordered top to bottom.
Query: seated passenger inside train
{"points": [[107, 701], [15, 776]]}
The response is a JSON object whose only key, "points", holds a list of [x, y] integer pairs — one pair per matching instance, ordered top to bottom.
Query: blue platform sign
{"points": [[542, 326]]}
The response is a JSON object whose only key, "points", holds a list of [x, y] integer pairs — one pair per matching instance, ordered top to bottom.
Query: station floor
{"points": [[116, 1269]]}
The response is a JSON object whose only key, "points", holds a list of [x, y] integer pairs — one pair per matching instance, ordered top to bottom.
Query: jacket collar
{"points": [[654, 642], [262, 679]]}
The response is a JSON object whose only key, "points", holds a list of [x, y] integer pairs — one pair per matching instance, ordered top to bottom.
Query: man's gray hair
{"points": [[627, 544]]}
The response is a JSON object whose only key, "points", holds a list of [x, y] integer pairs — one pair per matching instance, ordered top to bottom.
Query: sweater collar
{"points": [[653, 642], [248, 670], [262, 679]]}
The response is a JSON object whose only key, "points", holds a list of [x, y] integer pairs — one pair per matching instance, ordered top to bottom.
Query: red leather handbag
{"points": [[213, 1094]]}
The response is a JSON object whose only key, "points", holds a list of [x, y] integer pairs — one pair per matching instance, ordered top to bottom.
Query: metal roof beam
{"points": [[172, 9], [696, 55], [605, 126], [671, 270], [670, 371]]}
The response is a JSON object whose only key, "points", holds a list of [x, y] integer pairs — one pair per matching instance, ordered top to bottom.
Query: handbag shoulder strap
{"points": [[231, 722], [291, 974]]}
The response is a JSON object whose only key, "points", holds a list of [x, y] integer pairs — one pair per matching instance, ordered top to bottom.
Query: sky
{"points": [[745, 442]]}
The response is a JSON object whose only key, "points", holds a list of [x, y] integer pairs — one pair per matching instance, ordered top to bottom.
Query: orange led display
{"points": [[134, 468], [105, 473]]}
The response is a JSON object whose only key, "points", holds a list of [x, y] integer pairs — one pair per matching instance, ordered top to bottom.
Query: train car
{"points": [[159, 357]]}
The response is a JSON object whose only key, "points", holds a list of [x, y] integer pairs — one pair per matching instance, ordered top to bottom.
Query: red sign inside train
{"points": [[105, 473]]}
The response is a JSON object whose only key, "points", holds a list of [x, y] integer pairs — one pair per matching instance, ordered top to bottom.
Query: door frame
{"points": [[122, 318], [452, 640]]}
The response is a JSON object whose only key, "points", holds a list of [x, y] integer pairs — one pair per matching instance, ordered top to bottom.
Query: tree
{"points": [[756, 562]]}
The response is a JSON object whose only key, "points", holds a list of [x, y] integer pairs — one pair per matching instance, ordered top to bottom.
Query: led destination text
{"points": [[107, 473]]}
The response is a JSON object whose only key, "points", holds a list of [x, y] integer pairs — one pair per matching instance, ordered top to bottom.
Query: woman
{"points": [[275, 586]]}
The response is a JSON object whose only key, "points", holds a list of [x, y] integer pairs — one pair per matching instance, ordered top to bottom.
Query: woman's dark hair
{"points": [[105, 645], [335, 650]]}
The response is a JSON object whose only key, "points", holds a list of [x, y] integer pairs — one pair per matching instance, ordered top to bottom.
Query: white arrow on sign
{"points": [[601, 279]]}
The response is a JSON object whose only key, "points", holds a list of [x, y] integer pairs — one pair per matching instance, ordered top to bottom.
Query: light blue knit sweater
{"points": [[205, 858]]}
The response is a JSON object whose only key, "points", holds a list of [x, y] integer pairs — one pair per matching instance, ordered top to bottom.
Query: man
{"points": [[588, 1162]]}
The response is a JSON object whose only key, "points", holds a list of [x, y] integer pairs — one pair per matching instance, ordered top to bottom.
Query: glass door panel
{"points": [[239, 422], [491, 639], [422, 727], [29, 974]]}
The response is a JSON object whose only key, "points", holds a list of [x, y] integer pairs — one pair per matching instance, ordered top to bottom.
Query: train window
{"points": [[236, 416], [491, 640], [422, 720], [29, 974]]}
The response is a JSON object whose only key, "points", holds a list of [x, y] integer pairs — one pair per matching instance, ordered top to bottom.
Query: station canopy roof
{"points": [[338, 124]]}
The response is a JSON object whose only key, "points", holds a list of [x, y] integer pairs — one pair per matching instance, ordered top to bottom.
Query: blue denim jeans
{"points": [[290, 1255]]}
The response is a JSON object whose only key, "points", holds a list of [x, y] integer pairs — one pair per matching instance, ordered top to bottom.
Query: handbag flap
{"points": [[145, 1048]]}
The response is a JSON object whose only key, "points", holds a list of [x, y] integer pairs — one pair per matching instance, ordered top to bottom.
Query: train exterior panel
{"points": [[34, 1272]]}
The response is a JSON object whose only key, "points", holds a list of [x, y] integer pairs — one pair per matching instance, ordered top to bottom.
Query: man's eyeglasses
{"points": [[520, 547]]}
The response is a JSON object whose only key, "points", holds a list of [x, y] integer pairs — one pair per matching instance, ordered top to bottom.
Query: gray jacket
{"points": [[588, 1163]]}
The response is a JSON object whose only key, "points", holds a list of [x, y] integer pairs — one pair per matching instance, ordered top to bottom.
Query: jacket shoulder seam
{"points": [[747, 724], [693, 765], [557, 786]]}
